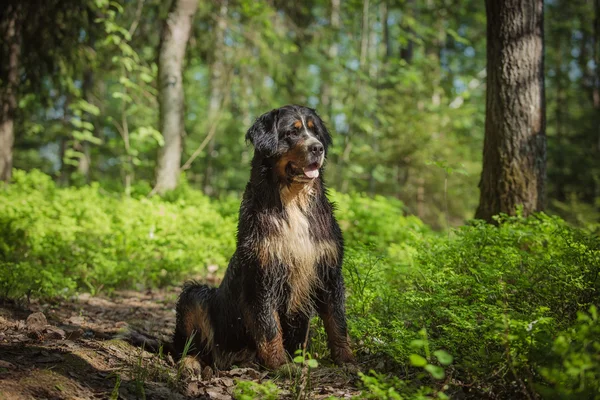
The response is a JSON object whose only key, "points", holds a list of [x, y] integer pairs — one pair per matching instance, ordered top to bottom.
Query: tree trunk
{"points": [[386, 30], [364, 36], [11, 38], [174, 38], [407, 51], [326, 89], [596, 90], [216, 91], [514, 154], [83, 167]]}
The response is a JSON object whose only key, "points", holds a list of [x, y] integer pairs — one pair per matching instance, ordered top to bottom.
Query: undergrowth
{"points": [[506, 311]]}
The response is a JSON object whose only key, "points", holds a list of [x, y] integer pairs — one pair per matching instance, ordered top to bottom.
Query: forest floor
{"points": [[70, 349]]}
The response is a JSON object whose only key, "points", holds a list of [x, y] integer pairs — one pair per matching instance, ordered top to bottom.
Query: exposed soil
{"points": [[70, 349]]}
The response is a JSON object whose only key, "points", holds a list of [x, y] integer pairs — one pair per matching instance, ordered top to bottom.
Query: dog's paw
{"points": [[190, 368], [350, 368]]}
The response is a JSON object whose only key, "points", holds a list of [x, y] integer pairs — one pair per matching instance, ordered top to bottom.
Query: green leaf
{"points": [[443, 357], [299, 359], [417, 360], [312, 363], [436, 372]]}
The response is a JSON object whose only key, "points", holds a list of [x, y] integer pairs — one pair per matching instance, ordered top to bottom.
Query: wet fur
{"points": [[287, 264]]}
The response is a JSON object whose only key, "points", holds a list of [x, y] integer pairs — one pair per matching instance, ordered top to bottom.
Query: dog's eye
{"points": [[294, 132]]}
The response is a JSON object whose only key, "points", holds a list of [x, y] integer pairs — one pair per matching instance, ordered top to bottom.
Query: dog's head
{"points": [[294, 138]]}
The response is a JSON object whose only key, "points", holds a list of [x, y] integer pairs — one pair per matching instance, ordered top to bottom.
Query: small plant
{"points": [[186, 349], [417, 360], [140, 375], [302, 383], [378, 386], [249, 390], [114, 395]]}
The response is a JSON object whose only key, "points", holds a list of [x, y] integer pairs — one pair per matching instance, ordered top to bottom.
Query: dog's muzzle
{"points": [[315, 153]]}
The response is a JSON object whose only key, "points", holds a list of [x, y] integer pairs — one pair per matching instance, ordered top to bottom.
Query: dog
{"points": [[287, 265]]}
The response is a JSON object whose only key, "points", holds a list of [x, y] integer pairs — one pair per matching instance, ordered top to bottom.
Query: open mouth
{"points": [[309, 172]]}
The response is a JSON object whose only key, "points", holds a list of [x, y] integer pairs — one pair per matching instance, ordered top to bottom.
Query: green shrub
{"points": [[53, 241], [494, 297], [574, 364]]}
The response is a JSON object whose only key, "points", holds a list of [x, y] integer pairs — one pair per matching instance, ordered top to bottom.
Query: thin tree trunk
{"points": [[386, 30], [175, 35], [364, 36], [11, 38], [364, 46], [406, 52], [596, 88], [216, 90], [326, 92], [514, 154], [83, 167], [420, 197]]}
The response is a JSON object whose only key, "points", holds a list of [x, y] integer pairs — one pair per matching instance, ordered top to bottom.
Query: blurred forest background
{"points": [[401, 83], [436, 307]]}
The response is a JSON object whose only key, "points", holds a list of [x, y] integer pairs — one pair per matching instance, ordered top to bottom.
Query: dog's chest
{"points": [[293, 245]]}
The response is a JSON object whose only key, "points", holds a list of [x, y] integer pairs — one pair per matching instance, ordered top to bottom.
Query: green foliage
{"points": [[54, 240], [493, 297], [574, 371], [250, 390]]}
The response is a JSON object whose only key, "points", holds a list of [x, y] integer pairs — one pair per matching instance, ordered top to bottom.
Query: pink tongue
{"points": [[311, 172]]}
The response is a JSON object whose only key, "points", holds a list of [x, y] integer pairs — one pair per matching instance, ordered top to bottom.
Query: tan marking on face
{"points": [[297, 124], [310, 124], [295, 155], [293, 245]]}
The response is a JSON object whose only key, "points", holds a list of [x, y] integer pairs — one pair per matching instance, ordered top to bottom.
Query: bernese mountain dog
{"points": [[287, 265]]}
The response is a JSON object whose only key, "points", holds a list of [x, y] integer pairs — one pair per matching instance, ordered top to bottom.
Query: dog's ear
{"points": [[263, 134]]}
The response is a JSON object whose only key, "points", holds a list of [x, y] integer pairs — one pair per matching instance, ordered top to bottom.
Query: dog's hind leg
{"points": [[194, 322]]}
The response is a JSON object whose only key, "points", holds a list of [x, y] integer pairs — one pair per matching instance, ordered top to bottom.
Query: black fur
{"points": [[253, 312]]}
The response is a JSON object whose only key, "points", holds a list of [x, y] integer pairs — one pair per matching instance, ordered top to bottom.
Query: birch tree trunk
{"points": [[175, 35], [9, 81], [514, 154]]}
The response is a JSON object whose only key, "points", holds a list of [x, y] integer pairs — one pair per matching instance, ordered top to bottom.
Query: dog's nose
{"points": [[316, 149]]}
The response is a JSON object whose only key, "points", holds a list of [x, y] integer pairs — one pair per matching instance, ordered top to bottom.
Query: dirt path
{"points": [[69, 350]]}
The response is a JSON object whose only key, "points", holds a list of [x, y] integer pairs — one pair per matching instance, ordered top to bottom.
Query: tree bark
{"points": [[175, 35], [406, 52], [326, 77], [9, 82], [216, 90], [514, 154], [85, 162]]}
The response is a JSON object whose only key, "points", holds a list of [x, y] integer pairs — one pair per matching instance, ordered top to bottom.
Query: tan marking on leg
{"points": [[197, 320], [339, 344], [271, 352]]}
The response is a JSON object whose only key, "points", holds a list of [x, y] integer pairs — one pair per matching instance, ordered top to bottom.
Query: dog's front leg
{"points": [[332, 309], [262, 319]]}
